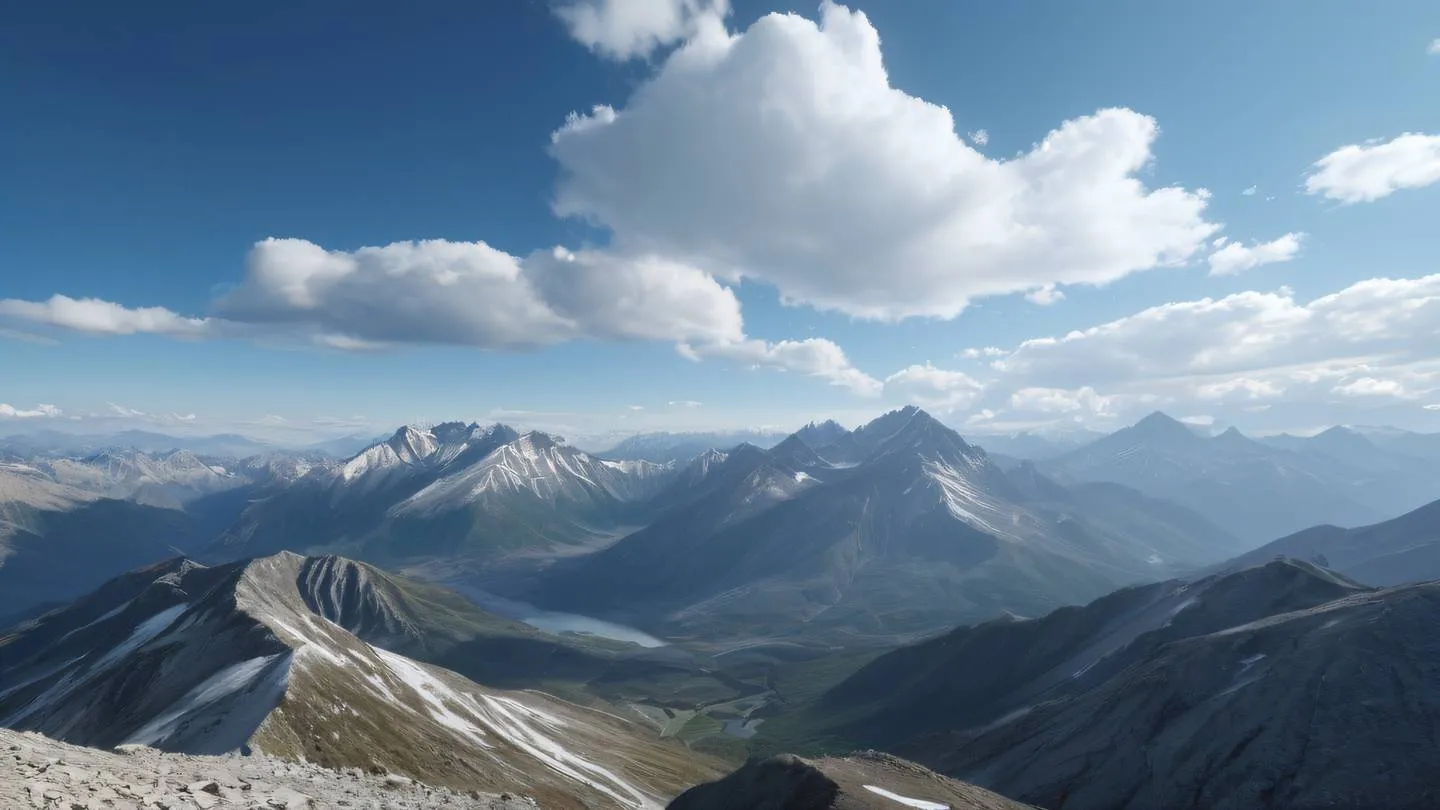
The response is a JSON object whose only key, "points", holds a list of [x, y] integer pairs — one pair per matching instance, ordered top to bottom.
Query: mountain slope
{"points": [[1251, 490], [921, 532], [57, 542], [1405, 549], [207, 660], [1279, 686], [918, 689], [1328, 706]]}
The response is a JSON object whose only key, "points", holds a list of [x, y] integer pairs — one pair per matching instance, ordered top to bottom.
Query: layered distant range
{"points": [[626, 621]]}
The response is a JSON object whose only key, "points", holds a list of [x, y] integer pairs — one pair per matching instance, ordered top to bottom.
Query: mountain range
{"points": [[1256, 490], [899, 527]]}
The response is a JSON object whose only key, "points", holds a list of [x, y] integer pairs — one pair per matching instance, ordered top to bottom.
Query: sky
{"points": [[599, 217]]}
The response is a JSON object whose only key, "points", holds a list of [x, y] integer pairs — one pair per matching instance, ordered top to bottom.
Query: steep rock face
{"points": [[210, 660], [863, 781]]}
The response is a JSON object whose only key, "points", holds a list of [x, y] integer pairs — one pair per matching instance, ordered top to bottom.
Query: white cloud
{"points": [[625, 29], [1434, 49], [980, 137], [784, 155], [1375, 169], [1250, 192], [1234, 257], [468, 293], [1045, 296], [103, 317], [1393, 318], [1372, 339], [814, 357], [931, 387], [1371, 387], [1240, 388], [1059, 400], [684, 403], [635, 407], [1433, 407], [122, 411], [38, 412], [1199, 420]]}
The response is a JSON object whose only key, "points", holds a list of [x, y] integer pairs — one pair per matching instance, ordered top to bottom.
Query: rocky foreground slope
{"points": [[246, 657], [38, 772]]}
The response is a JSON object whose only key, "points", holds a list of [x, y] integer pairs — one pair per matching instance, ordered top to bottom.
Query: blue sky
{"points": [[756, 182]]}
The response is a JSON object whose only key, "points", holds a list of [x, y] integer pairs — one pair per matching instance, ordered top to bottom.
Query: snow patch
{"points": [[244, 676], [436, 695], [922, 804]]}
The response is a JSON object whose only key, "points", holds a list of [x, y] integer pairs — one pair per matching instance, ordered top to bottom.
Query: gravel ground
{"points": [[37, 772]]}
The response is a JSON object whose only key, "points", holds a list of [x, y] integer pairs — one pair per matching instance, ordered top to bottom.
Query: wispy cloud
{"points": [[27, 337], [38, 412]]}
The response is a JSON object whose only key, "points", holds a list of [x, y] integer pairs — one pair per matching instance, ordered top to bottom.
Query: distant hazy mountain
{"points": [[52, 442], [1038, 444], [343, 447], [681, 447], [169, 479], [456, 490], [1255, 490], [898, 527], [1404, 549], [258, 656], [1219, 694]]}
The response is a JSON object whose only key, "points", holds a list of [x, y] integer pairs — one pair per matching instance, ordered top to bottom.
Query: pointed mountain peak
{"points": [[1160, 426], [407, 434], [820, 434], [1232, 435], [1341, 435], [539, 440], [795, 451]]}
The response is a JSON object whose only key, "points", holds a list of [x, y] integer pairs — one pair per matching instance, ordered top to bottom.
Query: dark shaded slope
{"points": [[62, 554], [976, 675], [1331, 706], [863, 781]]}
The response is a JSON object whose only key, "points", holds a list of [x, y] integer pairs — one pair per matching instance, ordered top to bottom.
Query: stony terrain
{"points": [[38, 772]]}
